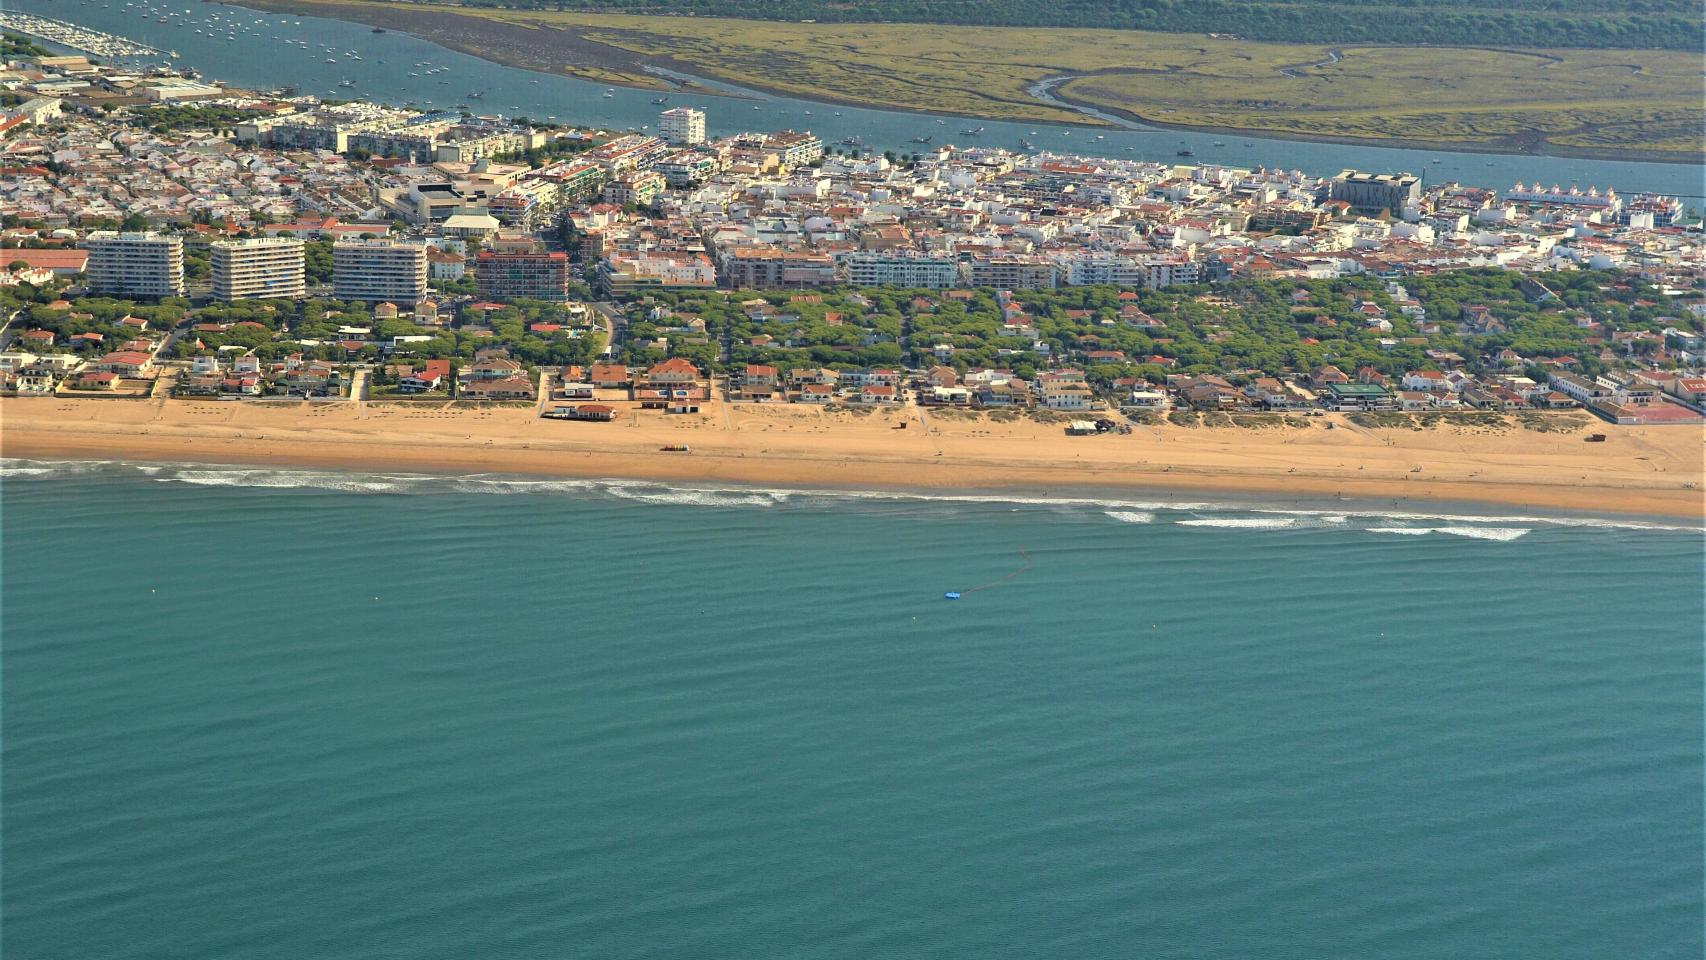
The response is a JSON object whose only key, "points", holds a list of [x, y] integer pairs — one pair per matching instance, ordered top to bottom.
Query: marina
{"points": [[75, 37]]}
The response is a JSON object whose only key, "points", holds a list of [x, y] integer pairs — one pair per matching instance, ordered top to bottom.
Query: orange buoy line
{"points": [[955, 595]]}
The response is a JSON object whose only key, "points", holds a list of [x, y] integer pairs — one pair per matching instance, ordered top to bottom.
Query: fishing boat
{"points": [[661, 100], [921, 139], [1184, 153]]}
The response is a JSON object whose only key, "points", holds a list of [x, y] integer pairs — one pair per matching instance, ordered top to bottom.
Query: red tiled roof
{"points": [[49, 259]]}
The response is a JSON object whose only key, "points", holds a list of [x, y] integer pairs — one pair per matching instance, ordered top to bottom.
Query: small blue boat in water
{"points": [[951, 595]]}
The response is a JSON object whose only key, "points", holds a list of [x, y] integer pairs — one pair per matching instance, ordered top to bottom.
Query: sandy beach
{"points": [[1638, 470]]}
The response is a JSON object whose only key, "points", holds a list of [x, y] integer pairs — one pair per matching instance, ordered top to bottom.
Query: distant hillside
{"points": [[1633, 24]]}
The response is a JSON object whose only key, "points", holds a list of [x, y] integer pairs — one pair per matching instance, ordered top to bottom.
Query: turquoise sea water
{"points": [[261, 713]]}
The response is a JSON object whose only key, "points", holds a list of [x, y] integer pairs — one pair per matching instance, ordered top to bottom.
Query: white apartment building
{"points": [[682, 125], [135, 264], [258, 268], [379, 270], [890, 270], [1090, 270], [1153, 272], [1014, 273], [1158, 273]]}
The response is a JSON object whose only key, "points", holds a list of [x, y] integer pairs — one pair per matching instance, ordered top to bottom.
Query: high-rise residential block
{"points": [[683, 125], [144, 264], [258, 268], [379, 270], [526, 275]]}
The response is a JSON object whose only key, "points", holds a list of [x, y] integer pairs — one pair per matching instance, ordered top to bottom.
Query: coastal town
{"points": [[171, 238], [704, 478]]}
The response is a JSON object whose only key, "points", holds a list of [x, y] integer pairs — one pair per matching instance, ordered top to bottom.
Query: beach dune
{"points": [[1638, 470]]}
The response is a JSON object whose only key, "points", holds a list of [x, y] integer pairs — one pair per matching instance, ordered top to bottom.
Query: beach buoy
{"points": [[951, 595]]}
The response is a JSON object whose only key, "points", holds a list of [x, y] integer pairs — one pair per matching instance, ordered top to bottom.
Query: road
{"points": [[614, 324], [7, 331], [172, 337]]}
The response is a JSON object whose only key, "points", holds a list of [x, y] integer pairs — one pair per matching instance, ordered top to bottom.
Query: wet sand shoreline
{"points": [[1641, 471]]}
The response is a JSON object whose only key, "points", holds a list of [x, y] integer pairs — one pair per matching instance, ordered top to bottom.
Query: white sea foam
{"points": [[20, 467], [294, 479], [503, 486], [691, 497], [1007, 499], [1245, 515], [1338, 516], [1242, 523], [1474, 533], [1484, 533]]}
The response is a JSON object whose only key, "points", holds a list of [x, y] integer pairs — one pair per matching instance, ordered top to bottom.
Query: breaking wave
{"points": [[1225, 515], [1242, 523], [1474, 533]]}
